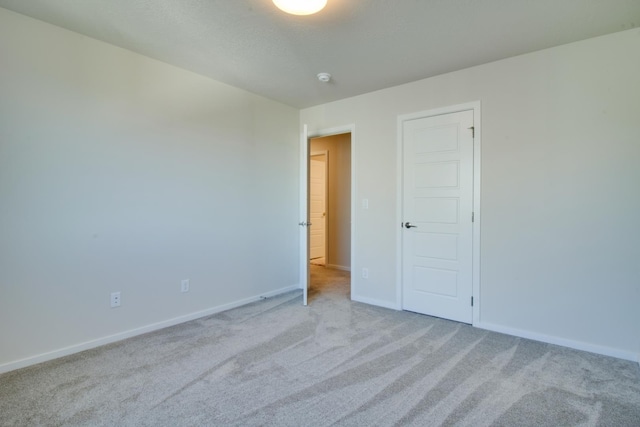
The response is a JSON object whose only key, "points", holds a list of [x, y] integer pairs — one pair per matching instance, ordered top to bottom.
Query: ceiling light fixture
{"points": [[300, 7]]}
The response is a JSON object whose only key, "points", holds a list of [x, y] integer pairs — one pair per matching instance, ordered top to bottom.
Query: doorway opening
{"points": [[329, 186]]}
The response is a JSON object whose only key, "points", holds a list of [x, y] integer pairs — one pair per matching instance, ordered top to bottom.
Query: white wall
{"points": [[121, 173], [339, 197], [560, 235]]}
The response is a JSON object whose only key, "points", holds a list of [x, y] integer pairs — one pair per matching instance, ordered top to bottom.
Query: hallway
{"points": [[329, 283]]}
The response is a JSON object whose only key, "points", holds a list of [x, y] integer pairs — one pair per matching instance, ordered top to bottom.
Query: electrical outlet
{"points": [[365, 273], [184, 285], [115, 299]]}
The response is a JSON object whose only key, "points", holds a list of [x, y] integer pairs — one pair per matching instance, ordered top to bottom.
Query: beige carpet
{"points": [[318, 261], [335, 362]]}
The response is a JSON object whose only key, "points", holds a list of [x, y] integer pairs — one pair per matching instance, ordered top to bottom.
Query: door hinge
{"points": [[473, 131], [473, 216], [471, 301]]}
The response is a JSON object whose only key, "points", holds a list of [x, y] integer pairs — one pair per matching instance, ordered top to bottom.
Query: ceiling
{"points": [[365, 44]]}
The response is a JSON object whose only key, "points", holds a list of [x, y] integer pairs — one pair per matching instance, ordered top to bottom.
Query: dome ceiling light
{"points": [[300, 7]]}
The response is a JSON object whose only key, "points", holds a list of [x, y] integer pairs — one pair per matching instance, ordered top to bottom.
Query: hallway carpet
{"points": [[335, 362]]}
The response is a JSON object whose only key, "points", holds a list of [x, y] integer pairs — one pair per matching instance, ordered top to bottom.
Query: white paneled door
{"points": [[317, 205], [437, 205], [304, 212]]}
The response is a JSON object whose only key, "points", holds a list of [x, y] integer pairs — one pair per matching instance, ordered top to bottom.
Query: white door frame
{"points": [[475, 107], [304, 177]]}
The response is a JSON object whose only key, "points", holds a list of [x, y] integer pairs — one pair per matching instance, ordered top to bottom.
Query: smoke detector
{"points": [[324, 77]]}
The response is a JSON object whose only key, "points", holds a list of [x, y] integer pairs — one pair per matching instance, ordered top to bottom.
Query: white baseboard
{"points": [[338, 267], [271, 294], [371, 301], [550, 339], [87, 345]]}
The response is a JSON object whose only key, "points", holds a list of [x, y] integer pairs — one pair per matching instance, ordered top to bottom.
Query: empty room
{"points": [[368, 212]]}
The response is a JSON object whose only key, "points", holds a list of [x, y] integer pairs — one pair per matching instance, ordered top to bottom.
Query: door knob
{"points": [[409, 225]]}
